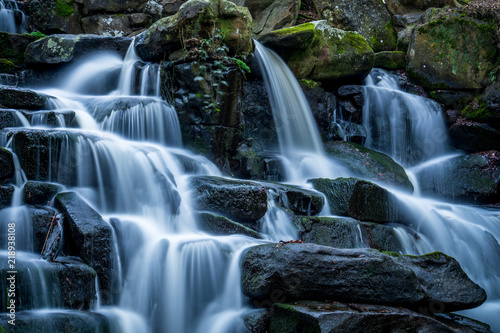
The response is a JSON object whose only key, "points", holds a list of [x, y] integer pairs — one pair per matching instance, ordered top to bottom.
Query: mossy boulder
{"points": [[403, 7], [271, 15], [56, 17], [198, 19], [375, 23], [107, 25], [13, 46], [61, 49], [321, 53], [454, 53], [390, 60], [7, 66], [369, 164], [473, 179], [359, 199], [242, 201], [221, 225], [347, 233], [301, 271], [307, 316]]}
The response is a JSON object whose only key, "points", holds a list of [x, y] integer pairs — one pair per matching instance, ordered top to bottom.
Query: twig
{"points": [[52, 220]]}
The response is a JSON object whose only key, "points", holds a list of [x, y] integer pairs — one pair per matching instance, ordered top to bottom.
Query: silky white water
{"points": [[8, 20]]}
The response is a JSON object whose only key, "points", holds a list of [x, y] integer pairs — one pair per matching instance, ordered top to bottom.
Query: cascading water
{"points": [[12, 19], [300, 144]]}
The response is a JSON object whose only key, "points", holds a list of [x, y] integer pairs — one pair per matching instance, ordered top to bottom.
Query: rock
{"points": [[110, 6], [402, 7], [271, 15], [56, 17], [197, 19], [139, 20], [406, 20], [375, 24], [107, 25], [404, 39], [13, 46], [60, 49], [321, 53], [390, 60], [7, 66], [433, 66], [21, 98], [452, 99], [322, 104], [489, 110], [209, 112], [9, 118], [48, 118], [472, 136], [46, 155], [6, 164], [250, 164], [369, 164], [473, 179], [39, 193], [338, 193], [6, 194], [241, 201], [300, 201], [370, 202], [41, 218], [221, 225], [348, 233], [89, 237], [277, 274], [444, 281], [71, 284], [340, 317], [59, 321], [257, 321]]}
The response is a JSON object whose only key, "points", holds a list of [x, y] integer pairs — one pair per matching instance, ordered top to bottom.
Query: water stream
{"points": [[12, 19]]}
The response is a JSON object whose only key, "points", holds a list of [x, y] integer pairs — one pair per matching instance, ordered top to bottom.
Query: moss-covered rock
{"points": [[271, 15], [59, 16], [198, 19], [375, 23], [107, 25], [13, 46], [60, 49], [319, 52], [452, 53], [390, 60], [7, 66], [369, 164], [473, 179], [299, 200]]}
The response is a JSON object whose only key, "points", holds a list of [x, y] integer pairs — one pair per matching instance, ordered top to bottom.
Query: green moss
{"points": [[64, 8], [295, 29], [357, 42], [7, 66], [309, 83], [477, 111], [392, 254]]}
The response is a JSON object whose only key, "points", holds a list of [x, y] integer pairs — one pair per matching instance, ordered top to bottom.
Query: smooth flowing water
{"points": [[12, 19]]}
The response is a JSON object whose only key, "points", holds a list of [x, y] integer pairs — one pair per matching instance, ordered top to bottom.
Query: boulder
{"points": [[110, 6], [403, 7], [271, 15], [56, 17], [197, 19], [375, 24], [107, 25], [13, 46], [60, 49], [321, 53], [473, 53], [390, 60], [21, 98], [456, 100], [472, 136], [46, 155], [6, 164], [250, 164], [369, 164], [473, 179], [39, 193], [6, 194], [242, 201], [300, 201], [41, 219], [220, 225], [347, 233], [91, 238], [300, 271], [67, 284], [307, 316], [257, 321]]}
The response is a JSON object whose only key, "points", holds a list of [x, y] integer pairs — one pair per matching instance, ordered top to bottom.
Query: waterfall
{"points": [[12, 19], [300, 143]]}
